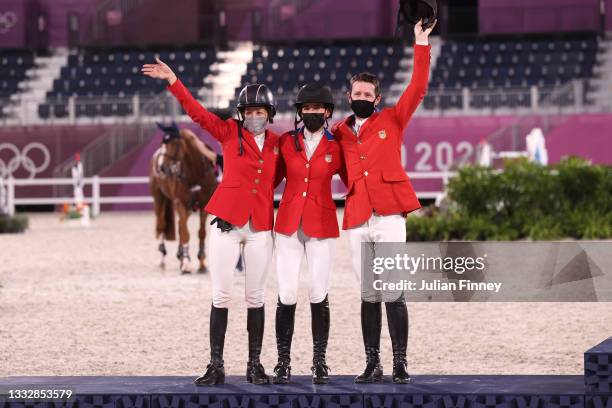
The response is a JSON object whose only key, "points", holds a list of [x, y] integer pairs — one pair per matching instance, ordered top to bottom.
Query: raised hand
{"points": [[421, 36], [159, 71]]}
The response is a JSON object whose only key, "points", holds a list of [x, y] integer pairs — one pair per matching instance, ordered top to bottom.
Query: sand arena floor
{"points": [[92, 301]]}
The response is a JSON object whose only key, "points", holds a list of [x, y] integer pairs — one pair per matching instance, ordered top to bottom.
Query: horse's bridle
{"points": [[174, 169]]}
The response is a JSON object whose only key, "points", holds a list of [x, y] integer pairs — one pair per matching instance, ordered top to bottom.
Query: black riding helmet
{"points": [[411, 11], [312, 93], [256, 95], [251, 96]]}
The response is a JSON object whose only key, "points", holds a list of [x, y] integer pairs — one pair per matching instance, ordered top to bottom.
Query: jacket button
{"points": [[359, 142], [362, 157], [260, 161], [307, 165], [259, 171], [365, 173], [305, 179], [257, 181], [254, 191], [304, 194]]}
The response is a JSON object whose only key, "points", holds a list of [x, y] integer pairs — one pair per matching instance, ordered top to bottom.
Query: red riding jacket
{"points": [[376, 179], [247, 189], [307, 198]]}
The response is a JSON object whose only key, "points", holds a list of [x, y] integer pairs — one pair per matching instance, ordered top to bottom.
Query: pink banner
{"points": [[525, 16], [586, 136], [35, 152]]}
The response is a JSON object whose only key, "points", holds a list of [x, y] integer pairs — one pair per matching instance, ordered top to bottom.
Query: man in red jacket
{"points": [[380, 194], [243, 206], [306, 224]]}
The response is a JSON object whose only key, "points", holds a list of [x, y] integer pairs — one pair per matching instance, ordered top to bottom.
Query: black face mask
{"points": [[362, 108], [313, 121]]}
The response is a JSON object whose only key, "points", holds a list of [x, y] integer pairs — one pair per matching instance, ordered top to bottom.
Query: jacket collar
{"points": [[349, 123], [250, 140], [321, 147]]}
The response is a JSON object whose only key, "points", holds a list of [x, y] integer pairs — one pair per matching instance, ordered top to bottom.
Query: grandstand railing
{"points": [[570, 96], [163, 106], [99, 108], [123, 138], [511, 138], [96, 199]]}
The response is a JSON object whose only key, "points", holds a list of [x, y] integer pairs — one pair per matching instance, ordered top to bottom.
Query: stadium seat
{"points": [[513, 65], [13, 66], [284, 68], [95, 73]]}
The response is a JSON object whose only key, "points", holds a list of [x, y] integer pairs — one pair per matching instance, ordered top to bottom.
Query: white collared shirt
{"points": [[358, 124], [260, 139], [311, 141]]}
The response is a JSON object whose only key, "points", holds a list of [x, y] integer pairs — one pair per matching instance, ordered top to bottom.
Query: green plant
{"points": [[570, 199], [17, 223]]}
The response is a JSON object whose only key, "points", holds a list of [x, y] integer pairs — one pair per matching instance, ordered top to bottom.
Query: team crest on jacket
{"points": [[382, 134], [275, 149], [328, 158]]}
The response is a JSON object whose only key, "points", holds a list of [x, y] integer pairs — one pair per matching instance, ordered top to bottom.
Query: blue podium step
{"points": [[598, 368], [463, 391]]}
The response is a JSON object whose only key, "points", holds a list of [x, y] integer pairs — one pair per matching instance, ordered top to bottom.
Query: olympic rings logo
{"points": [[7, 21], [22, 158]]}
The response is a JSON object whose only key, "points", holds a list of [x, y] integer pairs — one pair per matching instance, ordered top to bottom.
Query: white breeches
{"points": [[379, 228], [290, 250], [224, 251]]}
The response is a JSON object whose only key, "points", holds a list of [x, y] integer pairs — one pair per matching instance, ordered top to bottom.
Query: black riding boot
{"points": [[285, 318], [397, 320], [371, 322], [320, 334], [255, 372], [215, 373]]}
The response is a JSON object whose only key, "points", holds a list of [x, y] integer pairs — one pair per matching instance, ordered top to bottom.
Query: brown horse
{"points": [[181, 180]]}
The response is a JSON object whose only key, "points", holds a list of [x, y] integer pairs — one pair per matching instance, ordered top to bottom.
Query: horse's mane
{"points": [[195, 161]]}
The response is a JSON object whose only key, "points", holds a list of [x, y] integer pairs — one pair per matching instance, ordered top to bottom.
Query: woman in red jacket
{"points": [[243, 206], [306, 224]]}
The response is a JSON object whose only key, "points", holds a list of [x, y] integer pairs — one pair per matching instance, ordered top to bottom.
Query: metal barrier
{"points": [[568, 96], [84, 109], [133, 109], [124, 137]]}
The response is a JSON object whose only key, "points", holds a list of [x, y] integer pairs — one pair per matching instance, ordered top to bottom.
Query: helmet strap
{"points": [[296, 120], [240, 137]]}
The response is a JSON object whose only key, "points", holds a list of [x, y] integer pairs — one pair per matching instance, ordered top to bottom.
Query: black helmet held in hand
{"points": [[411, 11], [315, 93], [257, 95]]}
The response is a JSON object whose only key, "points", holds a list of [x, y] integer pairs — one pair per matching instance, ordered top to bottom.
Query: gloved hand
{"points": [[223, 225]]}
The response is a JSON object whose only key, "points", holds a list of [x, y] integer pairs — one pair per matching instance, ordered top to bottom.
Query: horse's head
{"points": [[170, 155]]}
